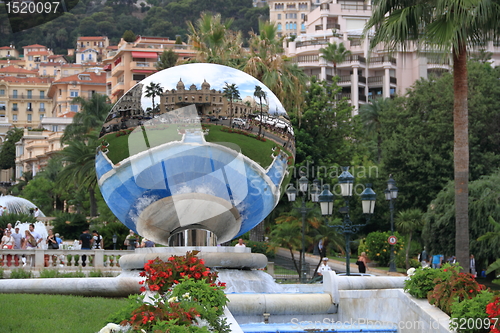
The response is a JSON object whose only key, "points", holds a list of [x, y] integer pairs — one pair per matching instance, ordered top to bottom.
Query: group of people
{"points": [[13, 239], [132, 241], [437, 260], [362, 263]]}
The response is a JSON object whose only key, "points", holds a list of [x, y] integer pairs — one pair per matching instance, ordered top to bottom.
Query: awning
{"points": [[146, 55], [107, 67], [142, 71]]}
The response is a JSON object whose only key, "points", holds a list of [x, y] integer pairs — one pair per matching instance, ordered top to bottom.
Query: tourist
{"points": [[36, 213], [9, 228], [36, 235], [18, 239], [59, 239], [7, 240], [29, 241], [51, 241], [97, 241], [131, 241], [85, 242], [147, 243], [240, 243], [424, 258], [437, 260], [362, 262], [472, 266], [324, 267]]}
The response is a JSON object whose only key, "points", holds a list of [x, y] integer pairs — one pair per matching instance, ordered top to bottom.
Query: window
{"points": [[279, 16], [302, 16], [279, 27], [302, 27], [90, 56], [83, 57], [30, 58], [44, 72], [65, 72], [2, 92], [60, 92], [14, 93], [30, 93], [73, 93], [42, 94], [2, 106], [14, 107], [29, 107], [42, 107], [74, 108], [14, 117], [29, 117], [41, 117], [54, 128]]}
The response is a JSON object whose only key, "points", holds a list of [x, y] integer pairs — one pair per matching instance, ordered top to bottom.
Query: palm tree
{"points": [[444, 25], [214, 40], [335, 54], [267, 64], [153, 90], [230, 91], [260, 94], [91, 117], [370, 117], [78, 158], [407, 222], [285, 235]]}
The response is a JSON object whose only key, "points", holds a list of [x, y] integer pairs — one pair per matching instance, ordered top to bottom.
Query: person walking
{"points": [[97, 241], [85, 242], [362, 262], [324, 267], [472, 267]]}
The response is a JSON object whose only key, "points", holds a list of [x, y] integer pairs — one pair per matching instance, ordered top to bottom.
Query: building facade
{"points": [[35, 54], [132, 62], [64, 90]]}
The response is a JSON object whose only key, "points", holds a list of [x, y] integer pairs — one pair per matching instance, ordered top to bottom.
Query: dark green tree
{"points": [[129, 36], [167, 59], [153, 90], [231, 92], [260, 94], [8, 149]]}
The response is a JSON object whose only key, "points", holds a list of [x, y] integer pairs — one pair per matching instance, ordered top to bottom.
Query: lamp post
{"points": [[291, 193], [391, 194], [368, 197], [115, 239]]}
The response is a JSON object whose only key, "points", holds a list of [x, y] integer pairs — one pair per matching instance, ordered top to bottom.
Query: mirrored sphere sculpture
{"points": [[181, 161]]}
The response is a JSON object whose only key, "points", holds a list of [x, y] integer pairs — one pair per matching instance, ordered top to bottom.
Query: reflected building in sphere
{"points": [[177, 181]]}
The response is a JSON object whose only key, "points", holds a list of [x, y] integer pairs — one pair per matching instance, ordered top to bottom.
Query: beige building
{"points": [[290, 16], [97, 43], [9, 52], [35, 54], [132, 62], [17, 72], [364, 75], [64, 90], [24, 101], [208, 102], [36, 147]]}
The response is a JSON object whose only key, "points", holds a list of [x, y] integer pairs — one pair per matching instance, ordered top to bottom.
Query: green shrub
{"points": [[378, 248], [20, 273], [49, 273], [78, 274], [422, 282], [455, 288], [469, 316]]}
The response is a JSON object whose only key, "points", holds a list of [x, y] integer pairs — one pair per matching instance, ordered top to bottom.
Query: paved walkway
{"points": [[337, 266]]}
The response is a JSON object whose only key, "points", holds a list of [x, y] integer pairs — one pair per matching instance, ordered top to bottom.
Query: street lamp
{"points": [[291, 193], [391, 194], [368, 196], [115, 239]]}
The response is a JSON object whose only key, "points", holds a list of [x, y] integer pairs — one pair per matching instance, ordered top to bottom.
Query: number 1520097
{"points": [[30, 7]]}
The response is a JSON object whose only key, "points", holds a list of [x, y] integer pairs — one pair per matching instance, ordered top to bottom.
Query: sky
{"points": [[215, 75]]}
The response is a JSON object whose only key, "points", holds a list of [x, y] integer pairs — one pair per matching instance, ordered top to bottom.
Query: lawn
{"points": [[257, 150], [56, 313]]}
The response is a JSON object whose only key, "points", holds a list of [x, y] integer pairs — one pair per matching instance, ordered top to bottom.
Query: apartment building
{"points": [[290, 16], [97, 43], [8, 52], [35, 54], [132, 62], [17, 72], [365, 74], [64, 90], [24, 101], [35, 148]]}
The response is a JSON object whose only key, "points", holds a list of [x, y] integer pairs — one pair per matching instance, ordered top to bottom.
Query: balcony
{"points": [[355, 7], [333, 26], [312, 43], [307, 58], [381, 60], [143, 65], [118, 69], [346, 79], [379, 80], [15, 109], [29, 109], [41, 110]]}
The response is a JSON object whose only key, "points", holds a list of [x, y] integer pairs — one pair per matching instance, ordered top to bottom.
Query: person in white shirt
{"points": [[36, 213], [240, 243], [324, 267]]}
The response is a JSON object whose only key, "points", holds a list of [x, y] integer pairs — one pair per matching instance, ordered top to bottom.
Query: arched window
{"points": [[279, 27]]}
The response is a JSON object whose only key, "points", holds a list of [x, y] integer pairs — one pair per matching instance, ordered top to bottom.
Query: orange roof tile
{"points": [[34, 46], [6, 48], [38, 53], [13, 69], [94, 78], [69, 114]]}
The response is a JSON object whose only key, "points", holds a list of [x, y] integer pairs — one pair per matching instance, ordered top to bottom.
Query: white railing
{"points": [[68, 260]]}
